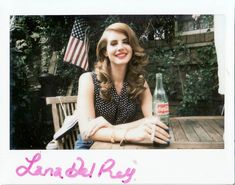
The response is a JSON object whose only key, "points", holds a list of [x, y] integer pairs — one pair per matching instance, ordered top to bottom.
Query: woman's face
{"points": [[118, 49]]}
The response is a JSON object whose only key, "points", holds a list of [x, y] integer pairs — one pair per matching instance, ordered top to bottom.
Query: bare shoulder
{"points": [[86, 77], [85, 80], [146, 84]]}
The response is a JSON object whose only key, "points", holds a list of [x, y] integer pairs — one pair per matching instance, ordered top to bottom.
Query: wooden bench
{"points": [[69, 103]]}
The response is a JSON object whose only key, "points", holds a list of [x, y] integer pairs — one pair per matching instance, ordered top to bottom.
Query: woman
{"points": [[109, 96]]}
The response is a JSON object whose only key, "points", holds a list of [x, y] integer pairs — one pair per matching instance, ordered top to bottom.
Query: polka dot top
{"points": [[121, 109]]}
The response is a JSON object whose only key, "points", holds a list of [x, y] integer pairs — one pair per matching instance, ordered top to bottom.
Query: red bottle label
{"points": [[162, 109]]}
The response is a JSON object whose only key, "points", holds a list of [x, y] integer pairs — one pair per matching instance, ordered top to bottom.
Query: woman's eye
{"points": [[126, 42], [114, 43]]}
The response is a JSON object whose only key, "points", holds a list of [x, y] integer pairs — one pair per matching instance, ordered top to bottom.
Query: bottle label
{"points": [[162, 109]]}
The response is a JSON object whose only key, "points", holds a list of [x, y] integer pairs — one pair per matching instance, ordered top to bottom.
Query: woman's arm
{"points": [[85, 102], [88, 124], [145, 130], [105, 131], [136, 131]]}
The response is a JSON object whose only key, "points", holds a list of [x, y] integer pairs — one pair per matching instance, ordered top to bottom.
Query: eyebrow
{"points": [[125, 39]]}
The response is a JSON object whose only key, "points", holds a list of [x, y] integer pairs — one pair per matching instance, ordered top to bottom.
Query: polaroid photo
{"points": [[117, 93]]}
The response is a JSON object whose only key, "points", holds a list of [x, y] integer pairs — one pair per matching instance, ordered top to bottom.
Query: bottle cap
{"points": [[158, 75]]}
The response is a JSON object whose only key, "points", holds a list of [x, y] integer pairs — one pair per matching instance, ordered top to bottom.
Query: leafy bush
{"points": [[189, 77], [201, 85]]}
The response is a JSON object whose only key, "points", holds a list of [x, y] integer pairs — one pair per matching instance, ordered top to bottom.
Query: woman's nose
{"points": [[120, 46]]}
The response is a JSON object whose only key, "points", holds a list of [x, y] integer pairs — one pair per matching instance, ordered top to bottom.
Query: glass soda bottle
{"points": [[160, 104]]}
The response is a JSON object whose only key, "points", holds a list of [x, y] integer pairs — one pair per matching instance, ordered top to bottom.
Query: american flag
{"points": [[77, 49]]}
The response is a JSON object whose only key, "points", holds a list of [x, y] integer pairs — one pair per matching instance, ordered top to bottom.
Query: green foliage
{"points": [[206, 21], [32, 40], [171, 61], [189, 76], [201, 84]]}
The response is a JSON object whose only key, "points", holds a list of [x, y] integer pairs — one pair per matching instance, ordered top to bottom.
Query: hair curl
{"points": [[135, 70]]}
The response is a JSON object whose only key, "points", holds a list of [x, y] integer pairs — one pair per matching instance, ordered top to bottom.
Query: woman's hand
{"points": [[95, 125], [151, 130]]}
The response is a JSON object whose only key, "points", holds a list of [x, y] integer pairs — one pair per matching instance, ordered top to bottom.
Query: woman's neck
{"points": [[118, 73]]}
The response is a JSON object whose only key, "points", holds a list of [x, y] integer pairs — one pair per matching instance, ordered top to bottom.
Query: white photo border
{"points": [[207, 166]]}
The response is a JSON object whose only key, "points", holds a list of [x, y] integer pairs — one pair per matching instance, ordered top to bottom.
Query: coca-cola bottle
{"points": [[160, 104]]}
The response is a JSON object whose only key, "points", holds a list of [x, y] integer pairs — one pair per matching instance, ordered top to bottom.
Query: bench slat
{"points": [[64, 99], [69, 103]]}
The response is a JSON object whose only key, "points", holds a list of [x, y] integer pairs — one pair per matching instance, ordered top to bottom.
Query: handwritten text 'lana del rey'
{"points": [[76, 169]]}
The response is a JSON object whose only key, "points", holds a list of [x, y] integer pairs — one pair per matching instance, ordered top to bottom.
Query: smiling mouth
{"points": [[121, 55]]}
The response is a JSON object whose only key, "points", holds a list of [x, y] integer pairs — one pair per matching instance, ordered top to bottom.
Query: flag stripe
{"points": [[71, 39], [68, 48], [73, 49], [76, 52], [85, 59], [79, 60], [82, 61], [86, 63]]}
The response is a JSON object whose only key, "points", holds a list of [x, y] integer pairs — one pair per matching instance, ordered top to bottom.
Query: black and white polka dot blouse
{"points": [[121, 109]]}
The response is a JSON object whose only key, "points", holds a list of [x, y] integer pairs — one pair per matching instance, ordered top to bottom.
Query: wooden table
{"points": [[199, 132]]}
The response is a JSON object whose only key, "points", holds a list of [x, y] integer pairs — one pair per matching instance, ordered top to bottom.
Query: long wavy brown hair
{"points": [[135, 69]]}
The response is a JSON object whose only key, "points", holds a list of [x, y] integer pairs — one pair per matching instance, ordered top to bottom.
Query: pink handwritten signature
{"points": [[78, 168]]}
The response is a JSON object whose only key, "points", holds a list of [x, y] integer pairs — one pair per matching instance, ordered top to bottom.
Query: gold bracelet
{"points": [[112, 139], [123, 141]]}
